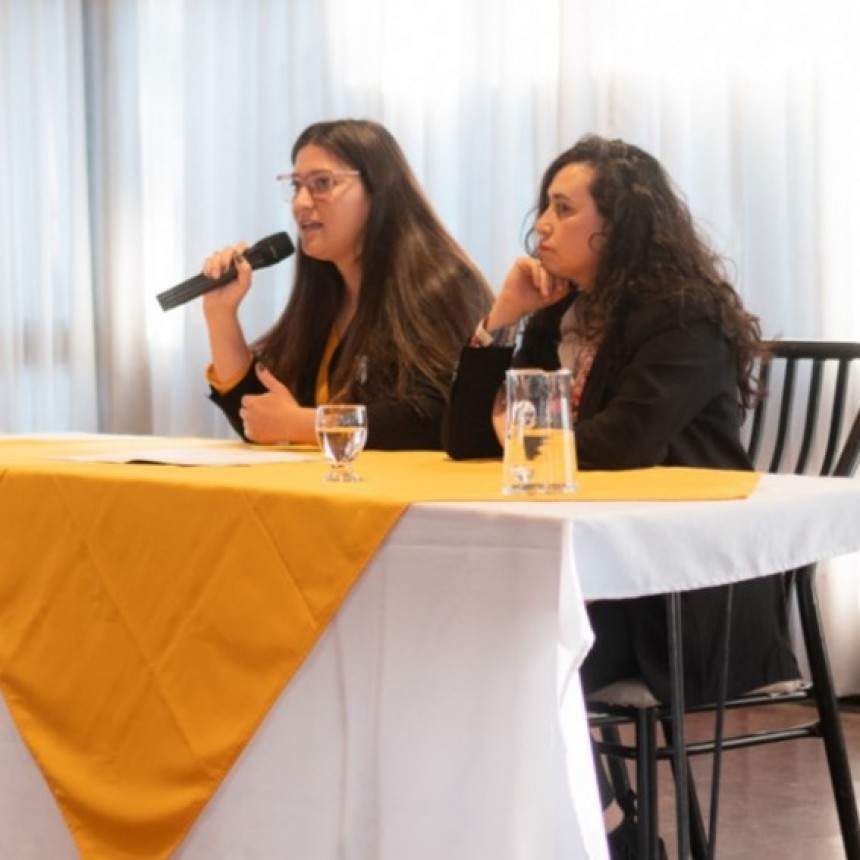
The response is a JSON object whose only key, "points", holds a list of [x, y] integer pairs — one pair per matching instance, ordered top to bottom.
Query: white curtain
{"points": [[138, 135], [47, 323]]}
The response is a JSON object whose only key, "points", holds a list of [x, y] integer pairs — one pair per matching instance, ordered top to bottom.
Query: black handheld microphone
{"points": [[264, 253]]}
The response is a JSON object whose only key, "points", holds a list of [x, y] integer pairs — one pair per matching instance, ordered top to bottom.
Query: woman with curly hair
{"points": [[622, 290], [382, 300]]}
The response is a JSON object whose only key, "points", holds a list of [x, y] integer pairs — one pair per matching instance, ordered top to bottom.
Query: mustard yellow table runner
{"points": [[151, 614]]}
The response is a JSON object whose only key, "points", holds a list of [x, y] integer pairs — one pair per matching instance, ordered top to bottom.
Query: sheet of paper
{"points": [[194, 456]]}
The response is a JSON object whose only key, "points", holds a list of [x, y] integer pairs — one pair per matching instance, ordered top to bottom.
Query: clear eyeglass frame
{"points": [[319, 183]]}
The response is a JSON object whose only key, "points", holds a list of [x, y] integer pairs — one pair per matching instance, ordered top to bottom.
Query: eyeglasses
{"points": [[319, 183]]}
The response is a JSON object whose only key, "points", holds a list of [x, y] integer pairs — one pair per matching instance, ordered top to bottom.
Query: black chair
{"points": [[808, 423]]}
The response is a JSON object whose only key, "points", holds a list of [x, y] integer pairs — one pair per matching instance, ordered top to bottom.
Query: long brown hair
{"points": [[652, 251], [420, 296]]}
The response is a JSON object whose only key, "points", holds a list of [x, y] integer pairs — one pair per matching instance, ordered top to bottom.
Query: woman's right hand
{"points": [[528, 287], [230, 295]]}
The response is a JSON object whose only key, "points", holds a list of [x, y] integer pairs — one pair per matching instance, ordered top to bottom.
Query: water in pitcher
{"points": [[540, 461]]}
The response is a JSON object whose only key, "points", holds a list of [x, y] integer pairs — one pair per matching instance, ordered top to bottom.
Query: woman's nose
{"points": [[302, 198], [542, 227]]}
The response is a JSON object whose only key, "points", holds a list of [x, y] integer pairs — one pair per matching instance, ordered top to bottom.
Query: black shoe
{"points": [[624, 841]]}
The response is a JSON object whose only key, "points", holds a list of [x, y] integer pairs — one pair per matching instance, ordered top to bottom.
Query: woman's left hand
{"points": [[275, 416]]}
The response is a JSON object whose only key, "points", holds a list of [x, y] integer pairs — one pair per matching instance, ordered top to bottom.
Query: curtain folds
{"points": [[138, 135], [47, 325]]}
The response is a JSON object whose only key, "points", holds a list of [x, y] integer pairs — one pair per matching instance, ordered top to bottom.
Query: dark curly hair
{"points": [[652, 251]]}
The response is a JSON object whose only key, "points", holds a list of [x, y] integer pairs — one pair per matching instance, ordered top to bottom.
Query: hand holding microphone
{"points": [[264, 253]]}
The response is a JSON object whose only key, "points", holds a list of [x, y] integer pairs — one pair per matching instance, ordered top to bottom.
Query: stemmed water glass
{"points": [[341, 431]]}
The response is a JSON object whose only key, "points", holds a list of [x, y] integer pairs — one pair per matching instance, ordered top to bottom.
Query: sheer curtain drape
{"points": [[138, 135], [47, 324]]}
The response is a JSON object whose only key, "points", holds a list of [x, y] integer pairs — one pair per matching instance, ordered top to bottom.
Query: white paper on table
{"points": [[193, 456]]}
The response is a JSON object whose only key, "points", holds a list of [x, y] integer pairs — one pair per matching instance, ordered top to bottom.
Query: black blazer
{"points": [[661, 391]]}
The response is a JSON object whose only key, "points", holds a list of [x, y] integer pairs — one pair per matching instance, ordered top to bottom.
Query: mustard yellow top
{"points": [[322, 392]]}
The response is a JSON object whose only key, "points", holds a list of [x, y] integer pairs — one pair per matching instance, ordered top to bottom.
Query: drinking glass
{"points": [[341, 431]]}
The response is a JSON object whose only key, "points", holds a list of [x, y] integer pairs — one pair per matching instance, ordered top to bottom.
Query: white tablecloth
{"points": [[440, 715]]}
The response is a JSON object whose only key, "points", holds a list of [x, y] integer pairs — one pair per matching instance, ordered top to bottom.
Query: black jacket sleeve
{"points": [[230, 401], [467, 427]]}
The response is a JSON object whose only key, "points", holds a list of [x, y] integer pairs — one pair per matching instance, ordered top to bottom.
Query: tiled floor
{"points": [[776, 801]]}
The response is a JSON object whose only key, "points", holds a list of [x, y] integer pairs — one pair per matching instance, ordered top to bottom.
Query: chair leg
{"points": [[828, 714], [617, 768], [646, 783], [699, 844]]}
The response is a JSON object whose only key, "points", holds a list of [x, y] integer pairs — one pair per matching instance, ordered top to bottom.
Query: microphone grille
{"points": [[270, 250]]}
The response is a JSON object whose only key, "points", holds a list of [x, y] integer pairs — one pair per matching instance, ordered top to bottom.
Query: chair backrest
{"points": [[809, 420]]}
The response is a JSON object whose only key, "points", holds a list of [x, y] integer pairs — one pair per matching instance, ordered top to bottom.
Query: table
{"points": [[439, 715]]}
